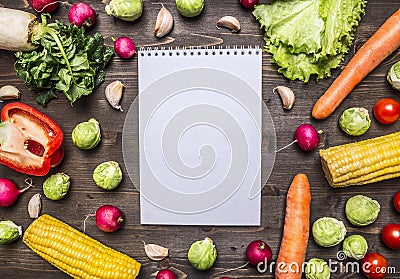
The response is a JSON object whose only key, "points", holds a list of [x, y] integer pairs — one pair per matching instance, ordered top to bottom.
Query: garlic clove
{"points": [[229, 22], [164, 23], [9, 92], [113, 94], [287, 96], [34, 206], [155, 252]]}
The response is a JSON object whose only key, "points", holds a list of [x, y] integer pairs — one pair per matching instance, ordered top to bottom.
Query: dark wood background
{"points": [[17, 261]]}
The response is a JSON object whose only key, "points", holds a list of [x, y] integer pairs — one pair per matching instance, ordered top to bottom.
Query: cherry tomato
{"points": [[249, 4], [387, 110], [396, 201], [391, 235], [374, 265]]}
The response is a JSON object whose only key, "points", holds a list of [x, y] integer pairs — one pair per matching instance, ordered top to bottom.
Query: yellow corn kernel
{"points": [[363, 162], [75, 253]]}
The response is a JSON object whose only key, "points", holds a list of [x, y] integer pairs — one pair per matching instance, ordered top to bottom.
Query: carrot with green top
{"points": [[376, 49], [294, 243]]}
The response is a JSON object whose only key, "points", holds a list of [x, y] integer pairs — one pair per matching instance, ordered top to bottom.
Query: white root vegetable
{"points": [[16, 29]]}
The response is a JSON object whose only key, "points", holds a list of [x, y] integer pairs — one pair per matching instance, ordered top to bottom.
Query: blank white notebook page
{"points": [[200, 114]]}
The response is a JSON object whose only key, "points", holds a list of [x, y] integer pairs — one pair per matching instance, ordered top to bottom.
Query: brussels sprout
{"points": [[189, 8], [128, 10], [393, 75], [355, 121], [86, 135], [107, 175], [56, 186], [362, 210], [328, 231], [9, 232], [355, 246], [202, 254], [317, 269]]}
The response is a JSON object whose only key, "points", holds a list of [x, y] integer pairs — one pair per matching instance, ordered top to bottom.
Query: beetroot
{"points": [[44, 6], [81, 14], [109, 218]]}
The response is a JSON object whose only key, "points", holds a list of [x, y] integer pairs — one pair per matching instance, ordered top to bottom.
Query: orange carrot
{"points": [[378, 47], [293, 248]]}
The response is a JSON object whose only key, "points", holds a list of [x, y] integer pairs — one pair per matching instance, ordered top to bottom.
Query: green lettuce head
{"points": [[189, 8], [128, 10], [355, 121], [86, 135], [107, 175], [56, 186], [362, 210], [328, 231], [9, 232], [355, 246], [202, 254], [317, 269]]}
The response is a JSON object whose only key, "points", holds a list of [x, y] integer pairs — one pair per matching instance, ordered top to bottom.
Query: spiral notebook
{"points": [[200, 136]]}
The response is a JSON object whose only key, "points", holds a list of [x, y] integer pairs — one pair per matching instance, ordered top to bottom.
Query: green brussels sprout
{"points": [[189, 8], [128, 10], [393, 75], [355, 121], [86, 135], [107, 175], [56, 186], [362, 210], [328, 231], [9, 232], [355, 246], [202, 254], [317, 269]]}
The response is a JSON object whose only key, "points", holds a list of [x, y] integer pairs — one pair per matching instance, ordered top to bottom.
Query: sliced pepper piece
{"points": [[28, 139]]}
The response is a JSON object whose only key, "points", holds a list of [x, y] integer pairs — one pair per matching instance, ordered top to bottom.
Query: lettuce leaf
{"points": [[309, 37]]}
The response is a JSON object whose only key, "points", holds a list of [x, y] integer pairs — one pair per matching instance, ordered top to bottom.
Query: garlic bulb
{"points": [[164, 22], [114, 94]]}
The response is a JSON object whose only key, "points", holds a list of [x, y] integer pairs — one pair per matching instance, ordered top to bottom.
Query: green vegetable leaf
{"points": [[308, 37], [68, 62]]}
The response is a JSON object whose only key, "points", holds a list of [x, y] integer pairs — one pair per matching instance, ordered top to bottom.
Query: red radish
{"points": [[249, 4], [44, 6], [81, 14], [124, 47], [306, 136], [57, 157], [9, 192], [109, 218], [258, 252], [165, 274]]}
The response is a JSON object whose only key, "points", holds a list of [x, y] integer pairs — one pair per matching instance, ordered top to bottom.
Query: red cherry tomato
{"points": [[387, 110], [396, 201], [391, 235], [374, 265]]}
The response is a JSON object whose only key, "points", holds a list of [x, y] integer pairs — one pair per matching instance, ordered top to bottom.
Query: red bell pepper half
{"points": [[28, 139]]}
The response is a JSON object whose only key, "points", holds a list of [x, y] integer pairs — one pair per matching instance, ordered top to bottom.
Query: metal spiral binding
{"points": [[198, 51]]}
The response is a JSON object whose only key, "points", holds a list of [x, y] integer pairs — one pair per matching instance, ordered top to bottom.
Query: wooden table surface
{"points": [[17, 261]]}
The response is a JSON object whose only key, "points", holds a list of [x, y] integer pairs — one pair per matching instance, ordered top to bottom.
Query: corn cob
{"points": [[363, 162], [75, 253]]}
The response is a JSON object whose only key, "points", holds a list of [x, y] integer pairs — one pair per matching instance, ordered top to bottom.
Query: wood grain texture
{"points": [[17, 261]]}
